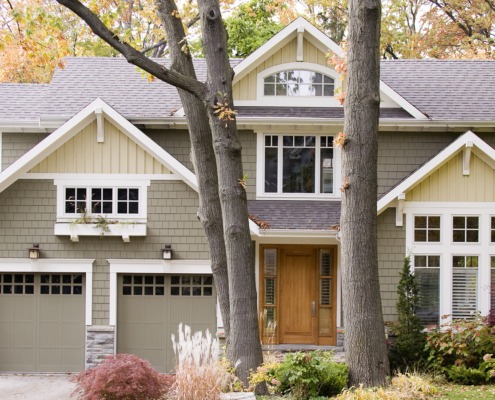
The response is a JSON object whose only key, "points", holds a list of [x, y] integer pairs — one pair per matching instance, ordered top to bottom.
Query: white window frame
{"points": [[301, 101], [260, 169], [115, 183], [427, 228], [466, 229], [446, 248]]}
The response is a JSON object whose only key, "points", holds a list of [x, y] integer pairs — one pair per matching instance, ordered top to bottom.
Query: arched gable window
{"points": [[299, 83]]}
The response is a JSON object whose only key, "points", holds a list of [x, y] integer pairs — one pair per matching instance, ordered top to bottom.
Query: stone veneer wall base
{"points": [[100, 342]]}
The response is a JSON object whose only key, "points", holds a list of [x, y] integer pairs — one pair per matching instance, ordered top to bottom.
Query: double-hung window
{"points": [[302, 164], [427, 273]]}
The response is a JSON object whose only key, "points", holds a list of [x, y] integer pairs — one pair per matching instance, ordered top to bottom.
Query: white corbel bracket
{"points": [[300, 44], [100, 132], [466, 158], [399, 210]]}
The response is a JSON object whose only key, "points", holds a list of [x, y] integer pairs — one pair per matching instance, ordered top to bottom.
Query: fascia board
{"points": [[288, 32], [401, 101], [150, 146], [46, 147], [432, 165]]}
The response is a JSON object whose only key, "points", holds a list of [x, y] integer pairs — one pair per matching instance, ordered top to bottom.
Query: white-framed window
{"points": [[298, 82], [297, 165], [113, 199], [427, 228], [465, 229], [492, 230], [455, 269], [427, 273], [492, 284], [464, 286]]}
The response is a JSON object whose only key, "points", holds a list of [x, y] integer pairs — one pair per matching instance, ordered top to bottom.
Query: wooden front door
{"points": [[298, 298], [298, 322]]}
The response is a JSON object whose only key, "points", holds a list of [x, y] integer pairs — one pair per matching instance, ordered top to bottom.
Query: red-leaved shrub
{"points": [[122, 377]]}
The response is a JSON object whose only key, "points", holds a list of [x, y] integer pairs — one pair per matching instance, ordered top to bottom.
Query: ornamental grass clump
{"points": [[200, 374], [122, 377]]}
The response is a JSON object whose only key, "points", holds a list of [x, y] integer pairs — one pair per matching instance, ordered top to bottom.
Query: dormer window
{"points": [[302, 83]]}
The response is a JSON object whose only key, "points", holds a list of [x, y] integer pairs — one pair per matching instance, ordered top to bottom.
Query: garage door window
{"points": [[17, 283], [61, 284], [147, 285], [191, 285]]}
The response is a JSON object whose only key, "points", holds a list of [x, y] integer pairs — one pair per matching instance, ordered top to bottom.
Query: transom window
{"points": [[298, 83], [298, 164], [101, 200], [427, 229], [465, 229], [492, 230]]}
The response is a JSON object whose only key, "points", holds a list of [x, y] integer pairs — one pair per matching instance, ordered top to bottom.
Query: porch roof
{"points": [[296, 214]]}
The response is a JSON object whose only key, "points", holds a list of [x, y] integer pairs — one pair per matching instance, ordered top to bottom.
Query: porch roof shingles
{"points": [[296, 215]]}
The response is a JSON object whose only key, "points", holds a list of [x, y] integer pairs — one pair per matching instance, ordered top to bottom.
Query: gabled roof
{"points": [[74, 126], [467, 140]]}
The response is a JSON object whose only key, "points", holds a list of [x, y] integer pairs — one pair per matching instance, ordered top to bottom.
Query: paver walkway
{"points": [[36, 387]]}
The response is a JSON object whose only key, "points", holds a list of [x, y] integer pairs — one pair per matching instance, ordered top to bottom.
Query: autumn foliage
{"points": [[122, 377]]}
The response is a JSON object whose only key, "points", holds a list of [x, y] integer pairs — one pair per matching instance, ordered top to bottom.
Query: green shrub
{"points": [[461, 348], [408, 349], [304, 375], [463, 375]]}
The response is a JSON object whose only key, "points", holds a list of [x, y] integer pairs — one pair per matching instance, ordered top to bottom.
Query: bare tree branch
{"points": [[132, 55]]}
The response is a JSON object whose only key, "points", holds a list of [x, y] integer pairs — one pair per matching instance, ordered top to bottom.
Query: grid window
{"points": [[299, 83], [297, 158], [101, 201], [427, 228], [465, 229], [427, 273], [16, 284], [65, 284], [143, 285], [191, 285]]}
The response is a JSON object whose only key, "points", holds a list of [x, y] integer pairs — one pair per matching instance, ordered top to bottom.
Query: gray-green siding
{"points": [[28, 215]]}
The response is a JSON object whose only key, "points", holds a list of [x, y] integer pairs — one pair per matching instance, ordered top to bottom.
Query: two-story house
{"points": [[100, 247]]}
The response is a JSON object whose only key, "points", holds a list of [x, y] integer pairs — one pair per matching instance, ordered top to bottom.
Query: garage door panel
{"points": [[147, 321], [44, 332]]}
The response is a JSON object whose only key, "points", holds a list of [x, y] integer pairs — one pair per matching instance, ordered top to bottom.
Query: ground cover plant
{"points": [[303, 375], [122, 377]]}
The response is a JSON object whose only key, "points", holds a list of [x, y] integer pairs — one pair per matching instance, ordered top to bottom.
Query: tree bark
{"points": [[203, 157], [245, 350], [366, 352]]}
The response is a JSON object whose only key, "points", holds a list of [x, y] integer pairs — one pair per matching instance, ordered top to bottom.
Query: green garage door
{"points": [[150, 308], [42, 322]]}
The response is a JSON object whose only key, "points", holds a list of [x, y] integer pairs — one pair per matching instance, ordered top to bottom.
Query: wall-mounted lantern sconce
{"points": [[34, 252], [167, 252]]}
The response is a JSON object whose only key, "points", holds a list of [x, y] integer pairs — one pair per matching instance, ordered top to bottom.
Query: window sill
{"points": [[125, 230]]}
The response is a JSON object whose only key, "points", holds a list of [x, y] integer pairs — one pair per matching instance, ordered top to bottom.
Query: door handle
{"points": [[313, 309]]}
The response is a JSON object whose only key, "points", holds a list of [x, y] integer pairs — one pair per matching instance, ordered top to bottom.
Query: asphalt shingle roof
{"points": [[445, 89], [462, 90], [300, 214]]}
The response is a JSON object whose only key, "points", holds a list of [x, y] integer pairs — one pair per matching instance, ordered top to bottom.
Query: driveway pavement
{"points": [[36, 387]]}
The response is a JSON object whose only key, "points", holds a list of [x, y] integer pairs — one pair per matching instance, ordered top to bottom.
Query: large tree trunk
{"points": [[203, 157], [245, 344], [366, 352]]}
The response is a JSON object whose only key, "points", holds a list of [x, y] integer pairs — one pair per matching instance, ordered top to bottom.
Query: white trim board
{"points": [[72, 127], [480, 148], [56, 265]]}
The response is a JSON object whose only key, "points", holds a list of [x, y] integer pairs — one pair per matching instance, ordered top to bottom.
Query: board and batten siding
{"points": [[245, 89], [118, 154], [448, 184], [28, 215]]}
